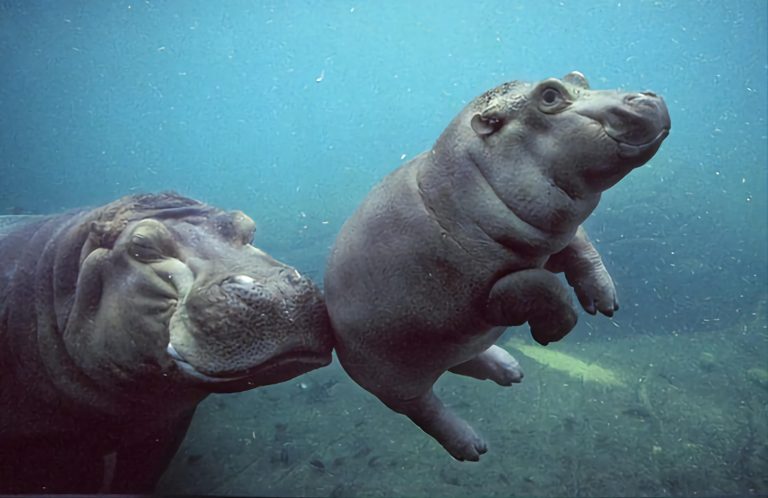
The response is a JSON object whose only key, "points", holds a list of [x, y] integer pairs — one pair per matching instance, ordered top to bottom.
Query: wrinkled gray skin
{"points": [[461, 242], [116, 322]]}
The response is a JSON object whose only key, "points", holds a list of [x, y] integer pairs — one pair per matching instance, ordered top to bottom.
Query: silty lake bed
{"points": [[629, 414]]}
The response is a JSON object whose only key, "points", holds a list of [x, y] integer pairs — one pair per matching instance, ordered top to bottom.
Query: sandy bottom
{"points": [[683, 415]]}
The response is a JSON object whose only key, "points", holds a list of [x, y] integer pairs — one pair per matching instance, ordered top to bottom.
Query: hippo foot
{"points": [[586, 273], [596, 292], [552, 328], [495, 364], [454, 433], [464, 444]]}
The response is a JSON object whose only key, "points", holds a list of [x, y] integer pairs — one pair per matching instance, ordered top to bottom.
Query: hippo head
{"points": [[582, 140], [172, 288]]}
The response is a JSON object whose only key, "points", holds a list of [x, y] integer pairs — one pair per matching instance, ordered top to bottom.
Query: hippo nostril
{"points": [[649, 93], [632, 98], [642, 102], [242, 280], [244, 290], [173, 353]]}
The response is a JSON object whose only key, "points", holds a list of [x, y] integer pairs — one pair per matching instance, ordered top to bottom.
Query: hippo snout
{"points": [[650, 118], [637, 122], [286, 288], [259, 328]]}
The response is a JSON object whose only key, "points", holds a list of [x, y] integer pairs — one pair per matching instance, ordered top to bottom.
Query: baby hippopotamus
{"points": [[461, 242]]}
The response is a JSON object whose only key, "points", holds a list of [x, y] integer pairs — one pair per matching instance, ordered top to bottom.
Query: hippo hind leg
{"points": [[495, 364], [451, 431]]}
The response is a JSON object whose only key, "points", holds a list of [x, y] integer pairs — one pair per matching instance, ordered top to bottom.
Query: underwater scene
{"points": [[292, 112]]}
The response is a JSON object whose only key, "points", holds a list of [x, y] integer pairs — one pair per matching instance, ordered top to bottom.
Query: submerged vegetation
{"points": [[570, 365]]}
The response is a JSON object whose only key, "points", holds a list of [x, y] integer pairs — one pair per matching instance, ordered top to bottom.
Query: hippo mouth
{"points": [[629, 150], [278, 369]]}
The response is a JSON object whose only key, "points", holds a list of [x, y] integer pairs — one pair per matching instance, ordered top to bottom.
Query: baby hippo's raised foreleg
{"points": [[585, 271]]}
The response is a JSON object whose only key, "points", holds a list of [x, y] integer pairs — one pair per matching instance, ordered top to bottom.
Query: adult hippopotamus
{"points": [[461, 242], [116, 322]]}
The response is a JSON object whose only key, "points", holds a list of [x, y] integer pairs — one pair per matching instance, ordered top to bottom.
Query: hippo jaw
{"points": [[642, 150], [244, 331], [278, 369]]}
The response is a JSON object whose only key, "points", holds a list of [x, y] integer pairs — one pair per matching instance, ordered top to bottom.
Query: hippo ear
{"points": [[575, 78], [485, 124], [246, 227], [102, 234], [98, 238]]}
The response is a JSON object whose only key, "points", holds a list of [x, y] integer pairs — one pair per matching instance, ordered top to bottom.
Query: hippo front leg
{"points": [[585, 271], [534, 296], [455, 434]]}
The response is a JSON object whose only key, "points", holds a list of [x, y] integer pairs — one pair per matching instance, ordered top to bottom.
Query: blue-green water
{"points": [[291, 111]]}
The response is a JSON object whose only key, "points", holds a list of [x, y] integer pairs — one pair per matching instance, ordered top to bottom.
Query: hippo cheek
{"points": [[240, 333]]}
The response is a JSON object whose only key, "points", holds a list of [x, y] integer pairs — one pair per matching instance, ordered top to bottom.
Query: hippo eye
{"points": [[550, 95], [150, 241], [143, 249]]}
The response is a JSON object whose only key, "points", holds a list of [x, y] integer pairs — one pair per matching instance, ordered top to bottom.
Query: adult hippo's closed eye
{"points": [[461, 242], [116, 322]]}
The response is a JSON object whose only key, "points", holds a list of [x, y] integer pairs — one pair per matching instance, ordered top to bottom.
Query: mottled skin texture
{"points": [[461, 242], [116, 322]]}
